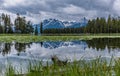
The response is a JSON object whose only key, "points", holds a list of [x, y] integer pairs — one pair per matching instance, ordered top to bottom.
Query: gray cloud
{"points": [[37, 10]]}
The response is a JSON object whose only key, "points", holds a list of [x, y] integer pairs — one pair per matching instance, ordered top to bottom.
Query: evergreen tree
{"points": [[6, 22], [20, 24], [109, 24], [29, 27], [41, 28], [10, 30], [36, 30]]}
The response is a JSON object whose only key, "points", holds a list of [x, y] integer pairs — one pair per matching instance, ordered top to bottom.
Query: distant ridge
{"points": [[57, 24]]}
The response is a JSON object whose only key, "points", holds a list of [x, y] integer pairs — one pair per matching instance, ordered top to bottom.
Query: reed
{"points": [[97, 67]]}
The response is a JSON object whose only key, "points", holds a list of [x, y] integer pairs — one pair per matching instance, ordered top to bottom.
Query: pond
{"points": [[19, 54]]}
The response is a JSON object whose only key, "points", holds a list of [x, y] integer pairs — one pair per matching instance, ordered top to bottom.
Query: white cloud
{"points": [[103, 2], [8, 3], [15, 3], [116, 7], [72, 9], [37, 10], [78, 11], [91, 14], [13, 16], [35, 18]]}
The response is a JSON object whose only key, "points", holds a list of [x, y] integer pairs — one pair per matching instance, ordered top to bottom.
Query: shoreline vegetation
{"points": [[26, 38], [95, 67]]}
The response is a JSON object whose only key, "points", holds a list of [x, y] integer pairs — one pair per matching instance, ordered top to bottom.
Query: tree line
{"points": [[20, 25], [98, 25], [102, 25]]}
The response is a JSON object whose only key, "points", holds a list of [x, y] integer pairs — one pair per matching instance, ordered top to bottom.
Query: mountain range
{"points": [[57, 24]]}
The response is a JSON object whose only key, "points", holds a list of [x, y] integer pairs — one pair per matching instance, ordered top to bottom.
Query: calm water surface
{"points": [[19, 54]]}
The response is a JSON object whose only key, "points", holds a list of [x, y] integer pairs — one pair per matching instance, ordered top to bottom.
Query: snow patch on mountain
{"points": [[52, 24], [57, 24]]}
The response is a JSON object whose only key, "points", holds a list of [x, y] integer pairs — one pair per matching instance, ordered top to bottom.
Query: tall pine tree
{"points": [[41, 28]]}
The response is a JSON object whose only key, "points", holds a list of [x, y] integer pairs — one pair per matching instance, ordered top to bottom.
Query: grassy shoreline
{"points": [[26, 38], [32, 38], [95, 67]]}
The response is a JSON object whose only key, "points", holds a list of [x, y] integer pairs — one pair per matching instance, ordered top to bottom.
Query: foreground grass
{"points": [[69, 37], [97, 67]]}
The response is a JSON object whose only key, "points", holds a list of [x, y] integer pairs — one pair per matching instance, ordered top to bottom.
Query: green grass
{"points": [[25, 38], [95, 67]]}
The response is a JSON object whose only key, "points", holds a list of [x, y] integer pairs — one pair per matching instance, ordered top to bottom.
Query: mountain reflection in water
{"points": [[48, 48], [22, 53]]}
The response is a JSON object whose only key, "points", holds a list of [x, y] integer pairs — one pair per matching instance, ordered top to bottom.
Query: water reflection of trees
{"points": [[103, 42], [21, 47], [5, 48]]}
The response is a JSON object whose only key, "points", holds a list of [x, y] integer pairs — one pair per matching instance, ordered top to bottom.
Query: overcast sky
{"points": [[37, 10]]}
